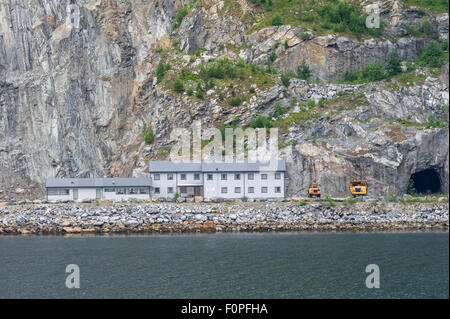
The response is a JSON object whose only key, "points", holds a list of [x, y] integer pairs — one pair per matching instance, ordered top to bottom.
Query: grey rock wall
{"points": [[67, 71], [77, 85]]}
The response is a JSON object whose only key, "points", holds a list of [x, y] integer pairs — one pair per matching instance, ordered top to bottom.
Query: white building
{"points": [[208, 180], [218, 180], [97, 188]]}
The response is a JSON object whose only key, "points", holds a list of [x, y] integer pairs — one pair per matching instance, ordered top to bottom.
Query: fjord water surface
{"points": [[238, 265]]}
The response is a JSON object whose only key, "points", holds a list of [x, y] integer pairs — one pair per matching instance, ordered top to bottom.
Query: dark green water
{"points": [[280, 265]]}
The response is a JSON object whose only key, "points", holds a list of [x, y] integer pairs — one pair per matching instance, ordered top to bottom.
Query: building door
{"points": [[197, 191], [75, 194], [98, 194]]}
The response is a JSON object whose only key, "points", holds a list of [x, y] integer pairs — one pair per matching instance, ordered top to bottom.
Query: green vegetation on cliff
{"points": [[437, 6], [182, 13], [322, 16], [433, 55], [161, 70], [231, 81], [148, 134]]}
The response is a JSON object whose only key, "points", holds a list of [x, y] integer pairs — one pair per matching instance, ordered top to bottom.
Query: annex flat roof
{"points": [[166, 166], [99, 182]]}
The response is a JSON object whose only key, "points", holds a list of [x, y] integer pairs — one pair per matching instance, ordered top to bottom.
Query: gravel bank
{"points": [[220, 217]]}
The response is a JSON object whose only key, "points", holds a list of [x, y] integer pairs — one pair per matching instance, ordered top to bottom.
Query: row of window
{"points": [[223, 176], [250, 176], [157, 177], [117, 190], [127, 190], [170, 190], [223, 190], [250, 190], [58, 191]]}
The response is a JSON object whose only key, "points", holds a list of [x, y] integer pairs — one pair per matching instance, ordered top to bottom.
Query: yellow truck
{"points": [[358, 188], [314, 189]]}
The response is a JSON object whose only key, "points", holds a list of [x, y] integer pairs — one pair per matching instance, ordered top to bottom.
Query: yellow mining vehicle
{"points": [[358, 188], [314, 189]]}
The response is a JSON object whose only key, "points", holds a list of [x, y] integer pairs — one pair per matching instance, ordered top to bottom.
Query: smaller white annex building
{"points": [[97, 188]]}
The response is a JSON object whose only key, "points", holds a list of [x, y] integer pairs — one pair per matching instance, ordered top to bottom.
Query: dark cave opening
{"points": [[426, 181]]}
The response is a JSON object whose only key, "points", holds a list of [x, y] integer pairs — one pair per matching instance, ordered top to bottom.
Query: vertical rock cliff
{"points": [[67, 73], [77, 86]]}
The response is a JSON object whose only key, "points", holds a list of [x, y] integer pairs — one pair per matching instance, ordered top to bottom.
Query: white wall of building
{"points": [[190, 182], [271, 182], [163, 183], [213, 188], [86, 193], [91, 194], [115, 196], [61, 197]]}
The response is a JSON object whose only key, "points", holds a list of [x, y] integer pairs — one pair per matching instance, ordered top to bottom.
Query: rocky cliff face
{"points": [[67, 73], [77, 86], [372, 140]]}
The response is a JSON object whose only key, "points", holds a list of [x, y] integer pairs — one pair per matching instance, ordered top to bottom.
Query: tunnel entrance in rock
{"points": [[426, 181]]}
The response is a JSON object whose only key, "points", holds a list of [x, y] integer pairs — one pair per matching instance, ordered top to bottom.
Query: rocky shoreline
{"points": [[221, 217]]}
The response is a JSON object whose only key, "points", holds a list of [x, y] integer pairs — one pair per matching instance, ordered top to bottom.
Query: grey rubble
{"points": [[218, 217]]}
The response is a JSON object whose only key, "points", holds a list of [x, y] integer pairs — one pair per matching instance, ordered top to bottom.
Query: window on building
{"points": [[277, 175], [196, 176], [251, 176], [263, 176], [156, 177], [170, 177], [183, 177], [210, 177], [224, 177], [237, 177], [183, 189], [264, 189], [277, 189], [110, 190], [133, 190], [143, 190], [157, 190], [169, 190], [224, 190], [237, 190], [251, 190], [53, 191], [64, 191], [120, 191]]}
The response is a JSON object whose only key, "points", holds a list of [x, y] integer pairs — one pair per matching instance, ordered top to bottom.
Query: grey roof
{"points": [[167, 166], [159, 167], [244, 167], [98, 182]]}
